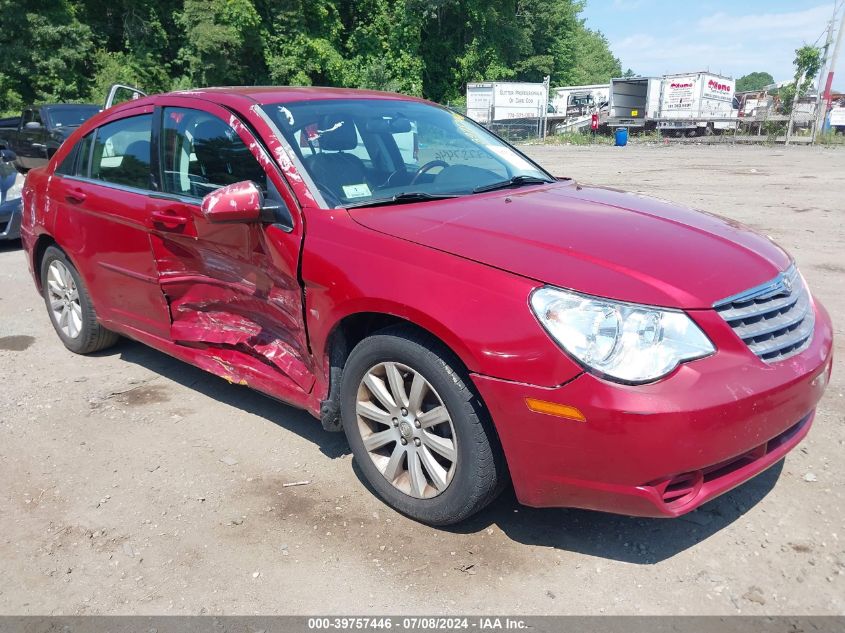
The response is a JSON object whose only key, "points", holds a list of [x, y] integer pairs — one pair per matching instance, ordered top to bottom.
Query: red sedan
{"points": [[408, 277]]}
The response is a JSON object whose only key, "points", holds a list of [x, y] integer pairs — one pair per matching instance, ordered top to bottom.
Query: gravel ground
{"points": [[133, 483]]}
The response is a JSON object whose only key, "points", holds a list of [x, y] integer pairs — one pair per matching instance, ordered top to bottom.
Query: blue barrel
{"points": [[621, 136]]}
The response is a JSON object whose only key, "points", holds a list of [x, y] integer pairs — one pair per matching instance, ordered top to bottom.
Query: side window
{"points": [[31, 115], [122, 152], [201, 153], [77, 160], [68, 164], [83, 165]]}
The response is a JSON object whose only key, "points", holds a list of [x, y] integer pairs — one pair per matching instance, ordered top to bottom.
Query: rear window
{"points": [[71, 116], [122, 152]]}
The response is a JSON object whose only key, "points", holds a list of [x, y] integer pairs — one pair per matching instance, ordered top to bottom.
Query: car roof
{"points": [[275, 94], [246, 96], [68, 105]]}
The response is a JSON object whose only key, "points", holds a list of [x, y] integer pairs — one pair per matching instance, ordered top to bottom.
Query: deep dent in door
{"points": [[226, 296]]}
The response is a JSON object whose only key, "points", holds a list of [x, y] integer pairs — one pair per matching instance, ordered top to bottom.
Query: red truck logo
{"points": [[677, 85], [715, 85]]}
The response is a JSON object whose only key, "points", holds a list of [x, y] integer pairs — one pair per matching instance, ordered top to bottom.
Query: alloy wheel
{"points": [[64, 299], [406, 430]]}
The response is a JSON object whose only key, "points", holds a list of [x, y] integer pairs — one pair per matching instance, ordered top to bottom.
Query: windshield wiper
{"points": [[516, 181], [400, 198]]}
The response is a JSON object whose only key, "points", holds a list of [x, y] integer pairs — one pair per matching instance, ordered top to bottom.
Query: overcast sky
{"points": [[656, 37]]}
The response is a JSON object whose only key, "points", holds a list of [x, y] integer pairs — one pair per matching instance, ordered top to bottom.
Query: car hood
{"points": [[594, 240]]}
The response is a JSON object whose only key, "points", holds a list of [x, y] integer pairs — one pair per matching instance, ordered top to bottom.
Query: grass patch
{"points": [[578, 138], [830, 138]]}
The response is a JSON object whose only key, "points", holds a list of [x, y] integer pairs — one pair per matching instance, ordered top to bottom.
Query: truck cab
{"points": [[41, 129]]}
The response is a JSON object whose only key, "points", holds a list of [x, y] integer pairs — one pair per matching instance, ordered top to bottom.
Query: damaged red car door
{"points": [[100, 199], [231, 286]]}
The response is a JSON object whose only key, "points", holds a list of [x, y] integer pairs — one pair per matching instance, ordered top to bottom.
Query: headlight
{"points": [[13, 192], [622, 341]]}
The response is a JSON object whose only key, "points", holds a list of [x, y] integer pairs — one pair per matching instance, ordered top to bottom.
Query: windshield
{"points": [[71, 116], [361, 151]]}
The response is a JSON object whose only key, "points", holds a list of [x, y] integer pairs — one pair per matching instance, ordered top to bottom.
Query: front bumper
{"points": [[10, 220], [665, 448]]}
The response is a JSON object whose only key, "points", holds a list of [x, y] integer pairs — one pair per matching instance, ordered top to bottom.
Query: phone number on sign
{"points": [[410, 624]]}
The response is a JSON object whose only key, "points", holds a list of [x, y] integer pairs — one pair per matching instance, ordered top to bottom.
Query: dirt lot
{"points": [[133, 483]]}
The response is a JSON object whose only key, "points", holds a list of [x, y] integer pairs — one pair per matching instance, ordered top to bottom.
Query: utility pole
{"points": [[832, 70], [547, 80], [820, 107]]}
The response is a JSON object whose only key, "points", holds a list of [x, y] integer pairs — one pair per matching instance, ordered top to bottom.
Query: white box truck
{"points": [[502, 100], [634, 101], [692, 104]]}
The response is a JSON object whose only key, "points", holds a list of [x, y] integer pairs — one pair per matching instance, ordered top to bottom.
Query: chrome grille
{"points": [[775, 319]]}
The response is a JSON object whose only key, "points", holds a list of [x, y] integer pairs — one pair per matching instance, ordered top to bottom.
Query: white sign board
{"points": [[500, 101], [518, 101], [480, 102], [837, 116]]}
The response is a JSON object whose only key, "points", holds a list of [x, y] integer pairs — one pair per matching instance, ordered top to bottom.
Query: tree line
{"points": [[72, 50]]}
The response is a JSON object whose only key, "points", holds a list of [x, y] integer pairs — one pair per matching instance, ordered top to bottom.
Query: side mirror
{"points": [[32, 125], [7, 156], [238, 202]]}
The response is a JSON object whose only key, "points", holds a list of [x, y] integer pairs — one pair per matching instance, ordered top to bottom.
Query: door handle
{"points": [[76, 196], [169, 219]]}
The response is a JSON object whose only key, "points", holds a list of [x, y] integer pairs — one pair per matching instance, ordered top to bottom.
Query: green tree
{"points": [[302, 40], [525, 40], [136, 42], [223, 43], [383, 45], [65, 50], [47, 53], [594, 61], [808, 61], [754, 81]]}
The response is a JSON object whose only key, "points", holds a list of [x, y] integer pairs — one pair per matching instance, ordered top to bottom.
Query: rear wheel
{"points": [[70, 307], [419, 434]]}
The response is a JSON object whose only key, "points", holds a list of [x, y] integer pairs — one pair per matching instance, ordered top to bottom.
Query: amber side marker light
{"points": [[553, 408]]}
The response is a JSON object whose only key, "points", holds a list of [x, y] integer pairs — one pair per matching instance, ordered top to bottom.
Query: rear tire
{"points": [[69, 305], [438, 473]]}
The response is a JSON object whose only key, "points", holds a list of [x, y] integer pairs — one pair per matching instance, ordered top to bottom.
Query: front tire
{"points": [[69, 305], [421, 437]]}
